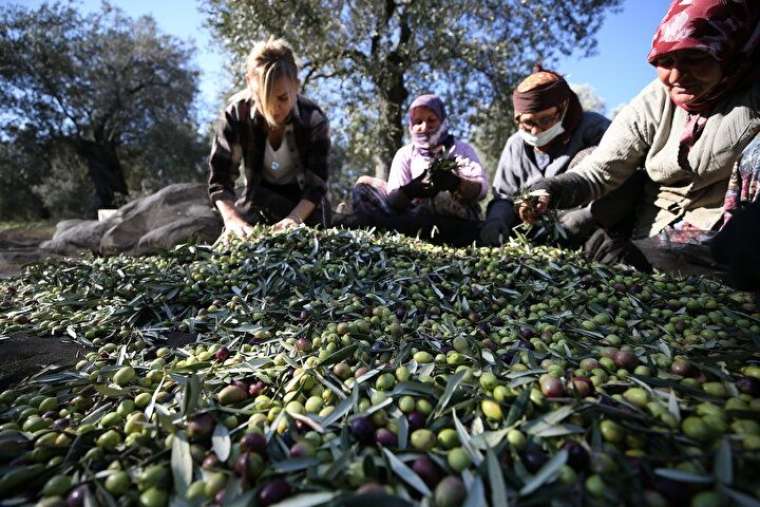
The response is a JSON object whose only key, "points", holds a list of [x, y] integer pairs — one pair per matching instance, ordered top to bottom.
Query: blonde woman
{"points": [[283, 141]]}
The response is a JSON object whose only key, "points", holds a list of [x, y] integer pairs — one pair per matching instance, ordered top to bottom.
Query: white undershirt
{"points": [[280, 165]]}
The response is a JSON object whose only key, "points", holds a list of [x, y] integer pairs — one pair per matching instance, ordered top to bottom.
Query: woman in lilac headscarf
{"points": [[440, 206]]}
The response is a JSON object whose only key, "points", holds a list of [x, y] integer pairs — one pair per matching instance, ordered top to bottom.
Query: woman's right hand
{"points": [[530, 212], [234, 224]]}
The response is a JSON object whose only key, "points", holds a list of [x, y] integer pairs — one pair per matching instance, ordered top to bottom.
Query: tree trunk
{"points": [[393, 93], [104, 169]]}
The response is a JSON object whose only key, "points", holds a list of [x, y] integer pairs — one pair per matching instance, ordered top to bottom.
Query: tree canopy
{"points": [[367, 59], [99, 85]]}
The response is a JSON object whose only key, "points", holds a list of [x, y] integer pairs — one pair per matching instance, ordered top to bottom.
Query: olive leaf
{"points": [[451, 385], [220, 442], [181, 463], [724, 471], [405, 473], [683, 476], [496, 480]]}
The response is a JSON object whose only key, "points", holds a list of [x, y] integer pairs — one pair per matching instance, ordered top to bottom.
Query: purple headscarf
{"points": [[427, 142]]}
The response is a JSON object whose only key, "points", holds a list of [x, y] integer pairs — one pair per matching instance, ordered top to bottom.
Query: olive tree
{"points": [[366, 59], [100, 84]]}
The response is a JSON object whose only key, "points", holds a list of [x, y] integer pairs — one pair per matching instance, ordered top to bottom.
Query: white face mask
{"points": [[545, 137]]}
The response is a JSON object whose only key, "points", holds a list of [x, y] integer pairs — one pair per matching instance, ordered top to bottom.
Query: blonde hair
{"points": [[269, 61]]}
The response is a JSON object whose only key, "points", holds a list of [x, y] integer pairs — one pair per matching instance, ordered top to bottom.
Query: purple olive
{"points": [[526, 332], [303, 344], [379, 347], [222, 354], [625, 359], [682, 367], [241, 384], [749, 385], [551, 386], [582, 386], [256, 388], [50, 415], [416, 420], [61, 424], [200, 426], [363, 430], [386, 438], [254, 442], [301, 450], [577, 455], [533, 459], [210, 461], [249, 466], [426, 469], [370, 488], [273, 492], [76, 497], [219, 497]]}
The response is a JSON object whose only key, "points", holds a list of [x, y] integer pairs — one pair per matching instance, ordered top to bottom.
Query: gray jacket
{"points": [[518, 167]]}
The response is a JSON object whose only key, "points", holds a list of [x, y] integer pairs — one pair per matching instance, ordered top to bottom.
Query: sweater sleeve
{"points": [[622, 150], [226, 153], [401, 170], [472, 170]]}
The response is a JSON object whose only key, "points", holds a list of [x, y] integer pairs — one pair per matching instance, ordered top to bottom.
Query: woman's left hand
{"points": [[446, 180], [286, 223]]}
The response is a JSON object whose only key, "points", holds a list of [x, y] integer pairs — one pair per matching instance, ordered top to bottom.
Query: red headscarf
{"points": [[729, 31]]}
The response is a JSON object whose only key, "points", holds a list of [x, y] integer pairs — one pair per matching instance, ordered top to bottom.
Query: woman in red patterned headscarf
{"points": [[686, 129]]}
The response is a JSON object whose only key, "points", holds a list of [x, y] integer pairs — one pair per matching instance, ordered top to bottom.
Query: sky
{"points": [[617, 72]]}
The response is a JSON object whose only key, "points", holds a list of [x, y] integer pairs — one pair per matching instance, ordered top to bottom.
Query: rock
{"points": [[175, 214], [74, 236]]}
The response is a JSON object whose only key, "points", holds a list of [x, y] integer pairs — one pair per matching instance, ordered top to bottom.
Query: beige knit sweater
{"points": [[646, 134]]}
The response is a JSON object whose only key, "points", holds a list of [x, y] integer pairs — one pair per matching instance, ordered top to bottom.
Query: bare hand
{"points": [[530, 210], [286, 224], [234, 227]]}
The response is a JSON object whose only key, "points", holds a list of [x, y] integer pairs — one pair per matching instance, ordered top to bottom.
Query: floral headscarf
{"points": [[729, 31]]}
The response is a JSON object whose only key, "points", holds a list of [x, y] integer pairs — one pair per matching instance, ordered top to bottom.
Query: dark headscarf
{"points": [[729, 31], [548, 95], [427, 143]]}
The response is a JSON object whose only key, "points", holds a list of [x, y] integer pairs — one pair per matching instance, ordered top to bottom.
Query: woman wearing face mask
{"points": [[687, 128], [552, 129], [283, 140], [443, 206]]}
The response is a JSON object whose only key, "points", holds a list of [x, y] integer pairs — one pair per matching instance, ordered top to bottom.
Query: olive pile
{"points": [[337, 367]]}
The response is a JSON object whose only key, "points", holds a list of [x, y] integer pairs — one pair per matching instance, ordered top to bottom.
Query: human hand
{"points": [[445, 180], [419, 187], [537, 204], [289, 222], [234, 227]]}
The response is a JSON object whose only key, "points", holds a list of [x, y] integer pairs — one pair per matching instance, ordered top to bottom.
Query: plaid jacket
{"points": [[241, 133]]}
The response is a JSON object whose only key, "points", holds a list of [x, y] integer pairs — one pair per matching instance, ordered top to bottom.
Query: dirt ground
{"points": [[19, 245], [22, 356]]}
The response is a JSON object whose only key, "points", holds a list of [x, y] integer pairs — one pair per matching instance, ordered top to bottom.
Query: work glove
{"points": [[445, 180], [419, 187]]}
